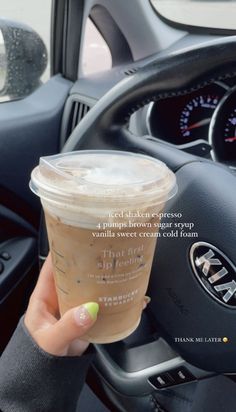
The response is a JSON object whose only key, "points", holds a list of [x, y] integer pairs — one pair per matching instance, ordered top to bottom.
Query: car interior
{"points": [[170, 94]]}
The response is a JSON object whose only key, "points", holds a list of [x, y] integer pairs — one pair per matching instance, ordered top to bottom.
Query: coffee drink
{"points": [[102, 214]]}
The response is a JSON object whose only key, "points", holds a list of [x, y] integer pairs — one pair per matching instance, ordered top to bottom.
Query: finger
{"points": [[45, 290], [146, 301], [72, 325], [77, 347]]}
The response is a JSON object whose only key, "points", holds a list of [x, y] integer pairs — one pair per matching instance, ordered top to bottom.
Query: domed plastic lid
{"points": [[102, 177]]}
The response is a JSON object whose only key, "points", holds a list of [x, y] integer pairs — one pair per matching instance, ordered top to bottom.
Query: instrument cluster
{"points": [[205, 115]]}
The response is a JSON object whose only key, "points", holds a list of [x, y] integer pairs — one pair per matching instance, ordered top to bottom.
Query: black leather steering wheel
{"points": [[180, 303]]}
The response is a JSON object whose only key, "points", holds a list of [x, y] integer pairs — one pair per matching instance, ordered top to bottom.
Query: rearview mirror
{"points": [[23, 59]]}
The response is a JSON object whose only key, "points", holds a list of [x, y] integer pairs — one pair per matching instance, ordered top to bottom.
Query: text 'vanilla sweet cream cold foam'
{"points": [[102, 215]]}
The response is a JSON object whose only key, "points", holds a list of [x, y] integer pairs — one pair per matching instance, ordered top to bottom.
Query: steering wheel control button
{"points": [[5, 255], [1, 267], [215, 272], [181, 375], [163, 380]]}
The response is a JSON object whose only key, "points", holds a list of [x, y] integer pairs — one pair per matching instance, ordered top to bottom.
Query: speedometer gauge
{"points": [[196, 116], [182, 119], [223, 129], [230, 130]]}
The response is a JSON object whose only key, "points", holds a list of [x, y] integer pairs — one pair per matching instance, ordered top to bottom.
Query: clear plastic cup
{"points": [[102, 212]]}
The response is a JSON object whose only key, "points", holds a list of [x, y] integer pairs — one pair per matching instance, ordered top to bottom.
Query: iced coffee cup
{"points": [[102, 212]]}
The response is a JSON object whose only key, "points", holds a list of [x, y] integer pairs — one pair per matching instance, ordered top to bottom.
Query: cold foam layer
{"points": [[115, 170], [93, 186], [104, 219]]}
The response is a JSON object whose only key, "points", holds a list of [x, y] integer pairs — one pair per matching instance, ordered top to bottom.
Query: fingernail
{"points": [[147, 299], [92, 308], [86, 313]]}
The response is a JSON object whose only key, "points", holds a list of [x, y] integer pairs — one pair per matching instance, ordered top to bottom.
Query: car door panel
{"points": [[30, 128], [12, 225], [16, 255], [16, 282]]}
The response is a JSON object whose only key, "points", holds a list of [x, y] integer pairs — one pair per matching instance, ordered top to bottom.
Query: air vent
{"points": [[130, 71], [75, 109], [78, 111]]}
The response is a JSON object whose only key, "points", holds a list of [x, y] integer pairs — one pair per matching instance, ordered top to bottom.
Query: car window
{"points": [[217, 14], [24, 46], [96, 54], [2, 62]]}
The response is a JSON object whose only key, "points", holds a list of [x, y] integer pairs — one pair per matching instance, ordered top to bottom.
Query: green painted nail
{"points": [[147, 299], [92, 308]]}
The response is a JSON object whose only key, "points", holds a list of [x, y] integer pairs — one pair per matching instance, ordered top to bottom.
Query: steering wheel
{"points": [[193, 302]]}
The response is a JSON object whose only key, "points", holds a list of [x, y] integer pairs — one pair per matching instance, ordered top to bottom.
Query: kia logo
{"points": [[215, 272]]}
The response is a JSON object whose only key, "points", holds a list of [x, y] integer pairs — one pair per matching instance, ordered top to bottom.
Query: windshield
{"points": [[217, 14]]}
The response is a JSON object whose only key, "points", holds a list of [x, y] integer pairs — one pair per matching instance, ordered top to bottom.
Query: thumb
{"points": [[72, 325]]}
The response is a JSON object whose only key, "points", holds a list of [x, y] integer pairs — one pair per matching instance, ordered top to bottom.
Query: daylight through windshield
{"points": [[217, 14]]}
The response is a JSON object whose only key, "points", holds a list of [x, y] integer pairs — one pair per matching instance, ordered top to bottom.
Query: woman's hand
{"points": [[55, 335]]}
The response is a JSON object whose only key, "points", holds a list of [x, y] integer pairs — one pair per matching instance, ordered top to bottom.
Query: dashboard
{"points": [[202, 122]]}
